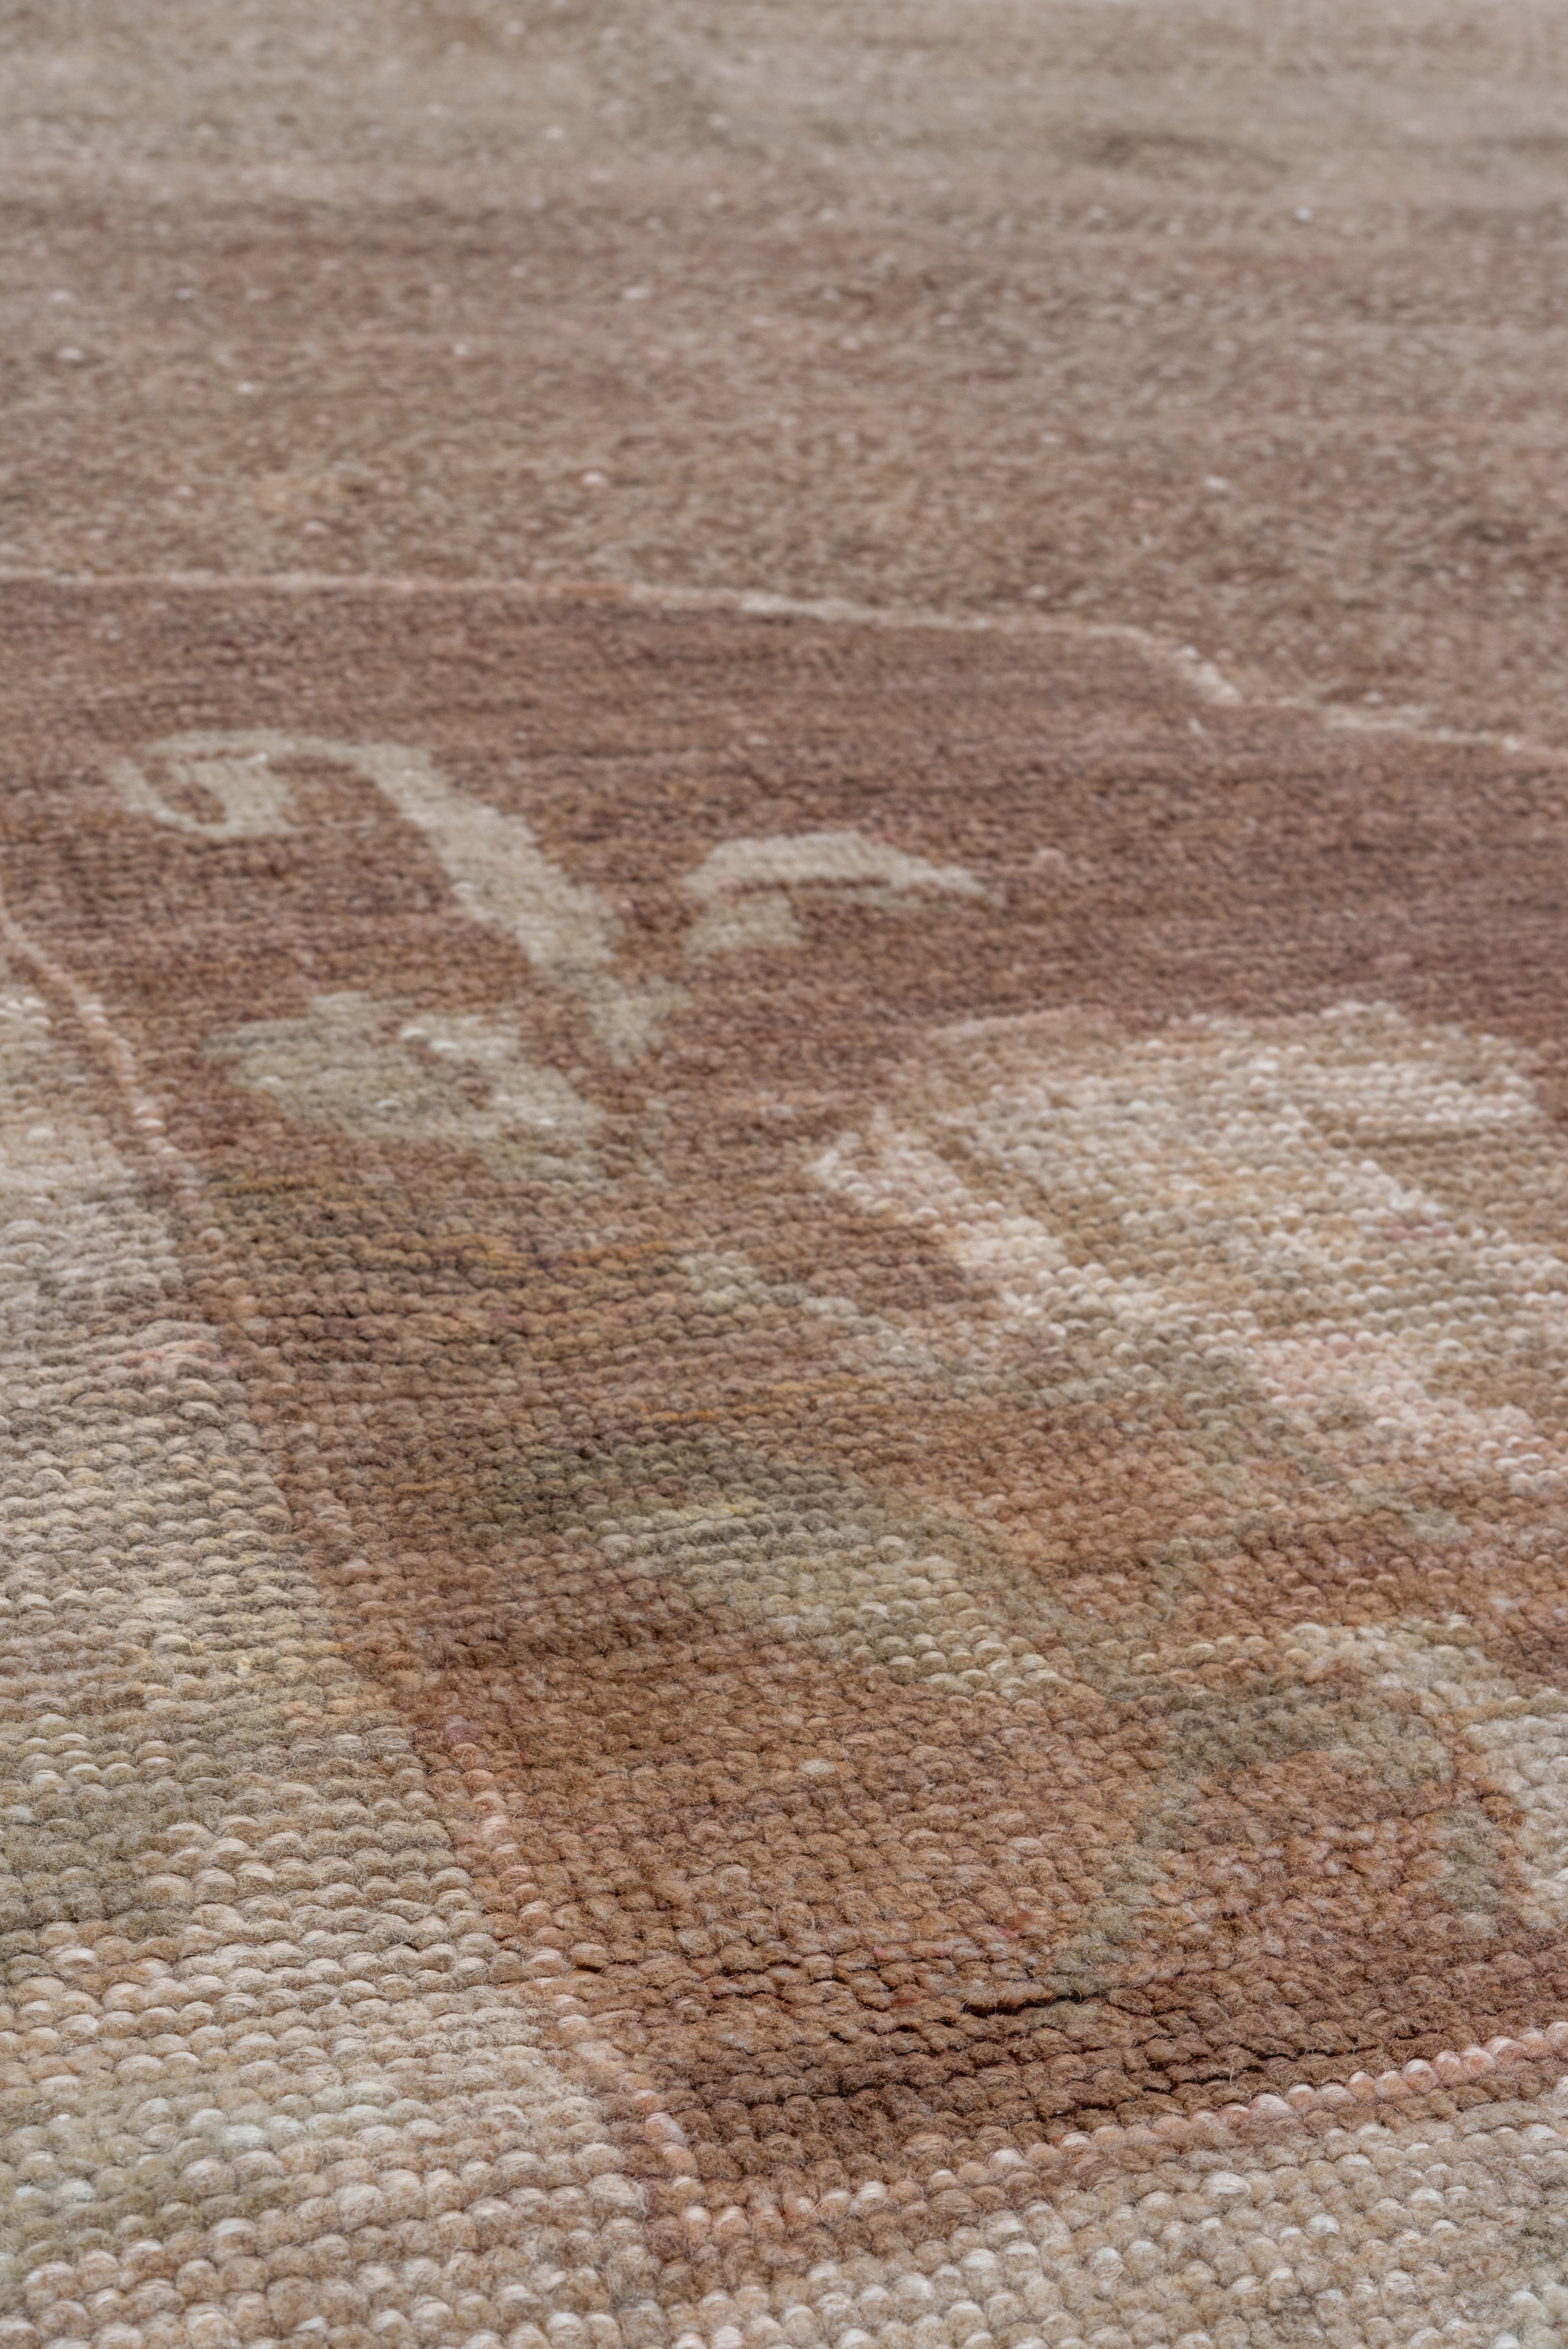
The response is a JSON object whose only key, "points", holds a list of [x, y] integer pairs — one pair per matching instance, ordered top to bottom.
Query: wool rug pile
{"points": [[785, 1551]]}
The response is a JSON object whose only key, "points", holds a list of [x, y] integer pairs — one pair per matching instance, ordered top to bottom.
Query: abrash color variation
{"points": [[786, 1401]]}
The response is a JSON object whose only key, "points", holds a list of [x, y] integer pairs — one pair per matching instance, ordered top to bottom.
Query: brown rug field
{"points": [[783, 1078]]}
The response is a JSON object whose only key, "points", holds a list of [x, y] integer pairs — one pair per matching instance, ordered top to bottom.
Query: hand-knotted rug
{"points": [[786, 1407]]}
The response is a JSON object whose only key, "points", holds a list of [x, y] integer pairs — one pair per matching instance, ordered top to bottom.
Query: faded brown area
{"points": [[986, 308], [1239, 322], [1132, 1896]]}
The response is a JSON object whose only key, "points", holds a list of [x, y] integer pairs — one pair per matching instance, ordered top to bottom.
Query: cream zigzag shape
{"points": [[498, 873]]}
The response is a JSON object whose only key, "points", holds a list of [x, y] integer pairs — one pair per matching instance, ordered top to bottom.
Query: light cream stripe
{"points": [[306, 2084]]}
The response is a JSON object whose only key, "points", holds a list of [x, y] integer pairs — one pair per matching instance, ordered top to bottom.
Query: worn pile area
{"points": [[786, 1381], [785, 1560]]}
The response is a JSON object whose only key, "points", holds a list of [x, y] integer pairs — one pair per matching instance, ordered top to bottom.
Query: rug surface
{"points": [[785, 1545]]}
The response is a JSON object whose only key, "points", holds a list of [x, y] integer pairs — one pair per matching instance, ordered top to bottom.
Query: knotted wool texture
{"points": [[785, 1551]]}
